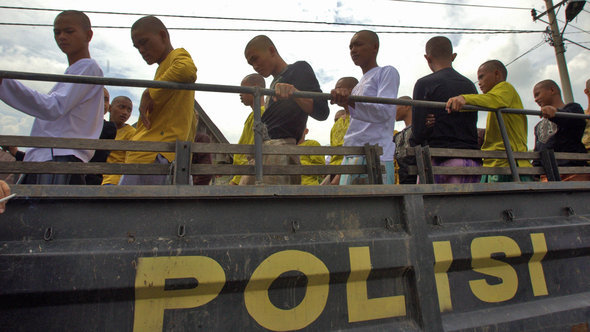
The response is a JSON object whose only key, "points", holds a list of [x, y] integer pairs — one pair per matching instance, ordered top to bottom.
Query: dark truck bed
{"points": [[493, 257]]}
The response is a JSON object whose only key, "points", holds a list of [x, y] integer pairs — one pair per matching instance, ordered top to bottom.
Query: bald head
{"points": [[79, 16], [150, 24], [369, 36], [260, 42], [439, 48], [492, 65], [254, 80], [347, 82], [548, 84], [120, 99]]}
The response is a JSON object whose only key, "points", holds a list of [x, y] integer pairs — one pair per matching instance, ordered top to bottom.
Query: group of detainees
{"points": [[72, 110]]}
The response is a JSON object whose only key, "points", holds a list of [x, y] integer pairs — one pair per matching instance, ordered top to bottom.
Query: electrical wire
{"points": [[461, 4], [276, 21], [491, 32], [575, 43], [527, 52]]}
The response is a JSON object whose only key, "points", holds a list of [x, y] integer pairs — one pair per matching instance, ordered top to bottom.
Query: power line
{"points": [[460, 4], [277, 21], [490, 32], [578, 44], [527, 52]]}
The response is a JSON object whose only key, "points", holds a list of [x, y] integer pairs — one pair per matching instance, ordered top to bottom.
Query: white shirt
{"points": [[69, 110], [370, 122]]}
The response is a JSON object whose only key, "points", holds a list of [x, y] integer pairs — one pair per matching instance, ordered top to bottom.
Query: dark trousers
{"points": [[55, 178]]}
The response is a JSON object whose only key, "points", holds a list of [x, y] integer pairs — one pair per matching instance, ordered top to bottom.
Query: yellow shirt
{"points": [[503, 95], [173, 113], [123, 134], [247, 137], [337, 137], [586, 137], [311, 160]]}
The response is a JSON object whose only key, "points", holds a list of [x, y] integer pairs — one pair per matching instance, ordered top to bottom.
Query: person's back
{"points": [[497, 93], [69, 110], [165, 115], [449, 130], [455, 130]]}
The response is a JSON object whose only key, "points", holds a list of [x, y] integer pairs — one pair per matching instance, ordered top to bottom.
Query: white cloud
{"points": [[219, 55]]}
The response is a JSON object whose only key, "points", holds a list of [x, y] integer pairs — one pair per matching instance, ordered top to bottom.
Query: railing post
{"points": [[258, 129], [509, 154], [182, 168]]}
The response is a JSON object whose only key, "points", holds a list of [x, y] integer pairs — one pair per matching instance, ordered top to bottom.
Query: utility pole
{"points": [[564, 76]]}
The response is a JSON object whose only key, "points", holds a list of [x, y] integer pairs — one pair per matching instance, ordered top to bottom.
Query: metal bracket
{"points": [[569, 211], [508, 215], [438, 220], [389, 224], [295, 226], [181, 231], [48, 236]]}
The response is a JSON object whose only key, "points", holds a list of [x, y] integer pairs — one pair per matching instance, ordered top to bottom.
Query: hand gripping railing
{"points": [[258, 92]]}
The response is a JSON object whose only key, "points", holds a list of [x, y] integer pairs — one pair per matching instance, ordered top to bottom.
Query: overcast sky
{"points": [[220, 60]]}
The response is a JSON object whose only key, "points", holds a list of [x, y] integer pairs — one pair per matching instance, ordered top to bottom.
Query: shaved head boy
{"points": [[68, 110], [165, 115], [285, 117]]}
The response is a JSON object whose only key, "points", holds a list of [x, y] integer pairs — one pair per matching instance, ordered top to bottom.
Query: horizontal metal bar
{"points": [[251, 90], [221, 148], [246, 192]]}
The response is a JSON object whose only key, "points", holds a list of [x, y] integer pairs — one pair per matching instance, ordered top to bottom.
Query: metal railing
{"points": [[258, 92]]}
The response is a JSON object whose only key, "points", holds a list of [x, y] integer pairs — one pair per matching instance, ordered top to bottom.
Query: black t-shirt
{"points": [[284, 118], [457, 130], [567, 137]]}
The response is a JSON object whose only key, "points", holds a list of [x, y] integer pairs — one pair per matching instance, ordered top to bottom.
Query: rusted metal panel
{"points": [[431, 257]]}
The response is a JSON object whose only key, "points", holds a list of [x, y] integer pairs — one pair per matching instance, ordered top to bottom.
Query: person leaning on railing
{"points": [[497, 93], [69, 110], [165, 115], [285, 118], [370, 123], [448, 131], [558, 133], [247, 136]]}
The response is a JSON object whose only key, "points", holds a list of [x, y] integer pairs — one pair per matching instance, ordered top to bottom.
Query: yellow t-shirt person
{"points": [[502, 95], [172, 116], [123, 134], [247, 137], [337, 137], [311, 180]]}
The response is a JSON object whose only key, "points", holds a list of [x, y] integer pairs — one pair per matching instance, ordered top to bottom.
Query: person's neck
{"points": [[169, 49], [73, 58], [281, 65], [369, 66], [436, 66], [558, 103], [408, 120], [118, 125]]}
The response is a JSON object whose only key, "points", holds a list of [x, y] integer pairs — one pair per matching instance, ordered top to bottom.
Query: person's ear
{"points": [[89, 35], [163, 35], [272, 50], [453, 56], [427, 58]]}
